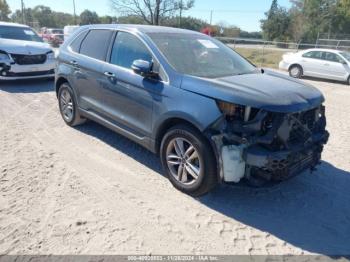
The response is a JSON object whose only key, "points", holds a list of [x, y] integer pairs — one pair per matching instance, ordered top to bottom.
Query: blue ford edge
{"points": [[210, 115]]}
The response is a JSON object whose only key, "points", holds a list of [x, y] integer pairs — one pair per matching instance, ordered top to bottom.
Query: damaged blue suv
{"points": [[210, 114]]}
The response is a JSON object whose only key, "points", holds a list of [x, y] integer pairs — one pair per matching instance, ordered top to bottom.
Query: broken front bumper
{"points": [[290, 144], [284, 164]]}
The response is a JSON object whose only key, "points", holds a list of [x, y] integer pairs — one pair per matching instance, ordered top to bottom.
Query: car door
{"points": [[312, 63], [334, 67], [88, 68], [128, 97]]}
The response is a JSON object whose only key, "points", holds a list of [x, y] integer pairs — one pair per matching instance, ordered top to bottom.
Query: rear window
{"points": [[19, 33], [96, 44]]}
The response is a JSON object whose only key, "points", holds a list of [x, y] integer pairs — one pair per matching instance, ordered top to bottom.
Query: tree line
{"points": [[154, 12], [305, 20]]}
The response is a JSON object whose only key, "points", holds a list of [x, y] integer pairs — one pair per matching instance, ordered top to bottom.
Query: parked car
{"points": [[68, 30], [53, 36], [23, 54], [320, 63], [210, 114]]}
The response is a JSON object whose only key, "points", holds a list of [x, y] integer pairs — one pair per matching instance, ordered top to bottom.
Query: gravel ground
{"points": [[87, 190]]}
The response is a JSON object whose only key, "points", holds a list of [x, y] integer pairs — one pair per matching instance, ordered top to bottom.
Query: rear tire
{"points": [[295, 71], [348, 82], [68, 106], [188, 160]]}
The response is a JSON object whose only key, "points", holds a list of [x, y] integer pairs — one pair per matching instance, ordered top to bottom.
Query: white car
{"points": [[23, 54], [320, 63]]}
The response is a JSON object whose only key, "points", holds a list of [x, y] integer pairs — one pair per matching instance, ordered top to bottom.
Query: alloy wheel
{"points": [[295, 71], [67, 107], [183, 161]]}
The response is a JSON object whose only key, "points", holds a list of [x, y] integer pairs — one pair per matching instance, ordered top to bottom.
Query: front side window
{"points": [[19, 33], [96, 44], [127, 48], [200, 55], [332, 57]]}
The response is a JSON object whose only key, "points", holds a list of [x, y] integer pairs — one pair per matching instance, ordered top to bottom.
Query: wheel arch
{"points": [[60, 80], [170, 122]]}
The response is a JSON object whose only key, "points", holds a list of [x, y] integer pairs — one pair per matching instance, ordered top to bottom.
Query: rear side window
{"points": [[96, 44], [75, 45], [127, 48]]}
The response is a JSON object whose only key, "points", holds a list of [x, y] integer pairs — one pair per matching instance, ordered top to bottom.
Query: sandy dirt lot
{"points": [[87, 190]]}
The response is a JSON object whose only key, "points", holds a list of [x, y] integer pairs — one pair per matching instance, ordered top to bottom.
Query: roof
{"points": [[12, 24], [144, 28], [323, 50]]}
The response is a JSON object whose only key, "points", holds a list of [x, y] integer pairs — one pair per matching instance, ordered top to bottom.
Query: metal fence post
{"points": [[262, 59]]}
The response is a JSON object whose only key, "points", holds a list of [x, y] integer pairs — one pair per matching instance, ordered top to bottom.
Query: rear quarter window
{"points": [[96, 43], [75, 45], [313, 54]]}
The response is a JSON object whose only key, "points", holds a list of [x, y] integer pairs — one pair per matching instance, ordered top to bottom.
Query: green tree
{"points": [[4, 11], [44, 15], [88, 17], [342, 17], [62, 19], [107, 19], [130, 19], [188, 22], [276, 24]]}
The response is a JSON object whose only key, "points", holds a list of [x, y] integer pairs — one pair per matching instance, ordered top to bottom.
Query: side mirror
{"points": [[343, 62], [142, 67]]}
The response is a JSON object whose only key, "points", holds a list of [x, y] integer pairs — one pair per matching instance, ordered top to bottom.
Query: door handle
{"points": [[74, 63], [326, 64], [109, 74]]}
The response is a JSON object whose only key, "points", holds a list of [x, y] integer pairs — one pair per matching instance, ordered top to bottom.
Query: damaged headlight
{"points": [[51, 55], [4, 57], [228, 109], [237, 112]]}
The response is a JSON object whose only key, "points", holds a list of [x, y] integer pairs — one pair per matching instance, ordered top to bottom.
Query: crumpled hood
{"points": [[23, 47], [270, 91]]}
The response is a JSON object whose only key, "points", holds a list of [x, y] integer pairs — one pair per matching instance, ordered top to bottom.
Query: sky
{"points": [[245, 14]]}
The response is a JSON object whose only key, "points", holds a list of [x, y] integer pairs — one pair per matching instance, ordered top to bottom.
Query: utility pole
{"points": [[181, 7], [23, 15], [75, 15], [211, 17]]}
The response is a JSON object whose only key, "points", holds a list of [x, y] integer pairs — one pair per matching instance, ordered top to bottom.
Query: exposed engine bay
{"points": [[259, 145]]}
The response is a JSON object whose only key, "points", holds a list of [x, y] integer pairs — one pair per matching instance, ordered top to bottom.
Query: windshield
{"points": [[56, 31], [19, 33], [200, 55], [346, 55]]}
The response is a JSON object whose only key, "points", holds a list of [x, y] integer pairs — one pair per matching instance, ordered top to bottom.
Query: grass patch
{"points": [[268, 58]]}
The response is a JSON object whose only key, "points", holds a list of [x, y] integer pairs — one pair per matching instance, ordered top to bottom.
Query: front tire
{"points": [[295, 71], [68, 106], [188, 160]]}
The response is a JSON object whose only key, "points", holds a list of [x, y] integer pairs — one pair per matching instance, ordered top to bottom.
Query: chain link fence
{"points": [[269, 53]]}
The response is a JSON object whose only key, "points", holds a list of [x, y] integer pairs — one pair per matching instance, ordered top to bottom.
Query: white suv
{"points": [[23, 54], [321, 63]]}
